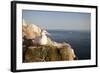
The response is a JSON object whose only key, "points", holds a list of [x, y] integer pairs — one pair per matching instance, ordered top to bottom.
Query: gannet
{"points": [[43, 39]]}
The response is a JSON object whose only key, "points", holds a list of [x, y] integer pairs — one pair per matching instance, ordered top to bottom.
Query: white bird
{"points": [[43, 39]]}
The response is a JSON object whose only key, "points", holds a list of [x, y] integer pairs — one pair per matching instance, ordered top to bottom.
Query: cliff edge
{"points": [[33, 51]]}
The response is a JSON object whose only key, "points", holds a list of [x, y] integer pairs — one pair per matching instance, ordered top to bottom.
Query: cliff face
{"points": [[52, 51], [41, 53], [47, 53]]}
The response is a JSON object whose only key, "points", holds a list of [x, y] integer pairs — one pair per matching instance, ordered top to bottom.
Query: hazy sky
{"points": [[58, 20]]}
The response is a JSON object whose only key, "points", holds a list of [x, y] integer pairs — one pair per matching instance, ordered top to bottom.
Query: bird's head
{"points": [[44, 32]]}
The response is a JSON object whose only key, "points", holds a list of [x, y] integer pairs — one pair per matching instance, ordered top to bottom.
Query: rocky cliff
{"points": [[52, 51], [47, 53]]}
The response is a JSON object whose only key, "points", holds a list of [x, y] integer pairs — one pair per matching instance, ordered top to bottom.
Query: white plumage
{"points": [[43, 39]]}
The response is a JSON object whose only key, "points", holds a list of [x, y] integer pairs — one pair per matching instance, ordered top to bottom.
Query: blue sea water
{"points": [[79, 40]]}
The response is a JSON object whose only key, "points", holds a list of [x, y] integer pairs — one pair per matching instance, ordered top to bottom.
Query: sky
{"points": [[54, 20]]}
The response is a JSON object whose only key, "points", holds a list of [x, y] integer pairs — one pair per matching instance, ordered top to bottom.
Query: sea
{"points": [[80, 41]]}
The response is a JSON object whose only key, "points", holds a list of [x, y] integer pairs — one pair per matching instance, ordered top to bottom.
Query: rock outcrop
{"points": [[52, 51], [47, 53]]}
